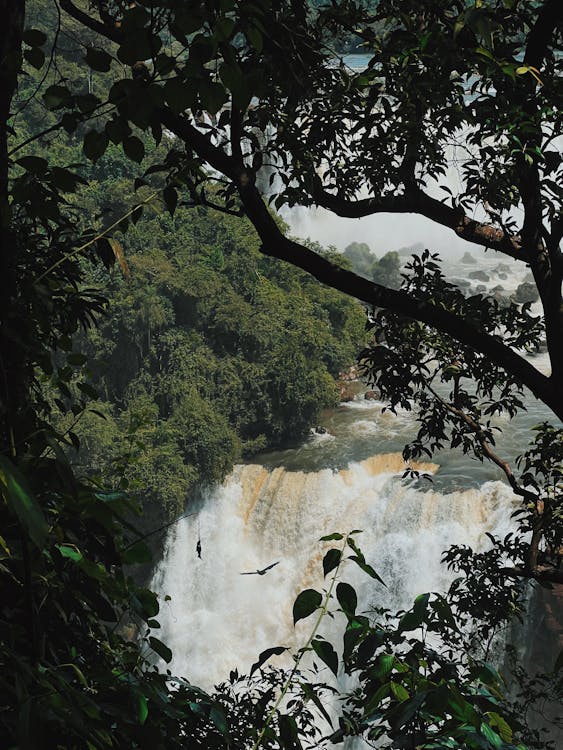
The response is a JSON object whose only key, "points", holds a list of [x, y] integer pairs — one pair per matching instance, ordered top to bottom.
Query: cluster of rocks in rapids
{"points": [[481, 281]]}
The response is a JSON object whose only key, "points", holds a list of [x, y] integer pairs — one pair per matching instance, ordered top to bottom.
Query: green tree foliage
{"points": [[385, 270], [190, 353], [226, 354]]}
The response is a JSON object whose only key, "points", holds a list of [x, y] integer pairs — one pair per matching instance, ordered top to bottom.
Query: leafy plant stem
{"points": [[97, 237], [322, 612]]}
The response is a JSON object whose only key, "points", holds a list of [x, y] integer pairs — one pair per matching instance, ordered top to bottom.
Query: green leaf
{"points": [[223, 29], [34, 37], [255, 38], [139, 45], [35, 57], [98, 59], [164, 64], [235, 80], [180, 95], [56, 96], [212, 96], [86, 102], [117, 129], [95, 144], [134, 148], [34, 164], [65, 180], [170, 196], [76, 358], [18, 495], [331, 537], [4, 546], [70, 551], [137, 553], [331, 560], [361, 563], [347, 598], [421, 602], [148, 603], [305, 604], [102, 606], [444, 612], [410, 621], [350, 639], [369, 646], [161, 649], [325, 651], [265, 655], [383, 665], [487, 675], [399, 691], [309, 692], [374, 700], [142, 708], [461, 708], [407, 710], [218, 717], [504, 729], [288, 733], [491, 735]]}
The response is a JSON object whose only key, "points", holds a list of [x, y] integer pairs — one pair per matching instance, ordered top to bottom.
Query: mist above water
{"points": [[382, 232]]}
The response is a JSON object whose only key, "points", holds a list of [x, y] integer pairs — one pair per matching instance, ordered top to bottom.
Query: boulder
{"points": [[502, 268], [479, 275], [461, 283], [526, 292], [345, 392]]}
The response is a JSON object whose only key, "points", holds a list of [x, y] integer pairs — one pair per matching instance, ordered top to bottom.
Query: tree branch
{"points": [[12, 13], [549, 18], [109, 32], [414, 200], [276, 244], [546, 262], [476, 428], [540, 506], [545, 573]]}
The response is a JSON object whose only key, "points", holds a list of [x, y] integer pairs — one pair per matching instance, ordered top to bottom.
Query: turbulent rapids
{"points": [[217, 619]]}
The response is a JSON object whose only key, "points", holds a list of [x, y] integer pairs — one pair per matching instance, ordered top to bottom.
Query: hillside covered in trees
{"points": [[209, 351]]}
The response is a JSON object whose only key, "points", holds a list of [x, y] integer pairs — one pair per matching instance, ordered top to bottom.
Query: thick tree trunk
{"points": [[12, 13], [12, 391]]}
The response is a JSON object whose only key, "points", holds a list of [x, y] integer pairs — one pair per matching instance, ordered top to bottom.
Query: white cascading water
{"points": [[218, 619]]}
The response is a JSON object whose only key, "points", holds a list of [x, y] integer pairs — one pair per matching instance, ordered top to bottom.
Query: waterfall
{"points": [[217, 619]]}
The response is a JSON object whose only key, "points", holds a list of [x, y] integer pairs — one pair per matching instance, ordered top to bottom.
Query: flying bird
{"points": [[260, 572]]}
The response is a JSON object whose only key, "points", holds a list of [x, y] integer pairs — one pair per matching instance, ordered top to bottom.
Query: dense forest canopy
{"points": [[235, 109], [214, 350], [190, 352]]}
